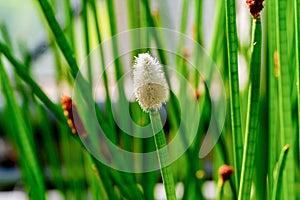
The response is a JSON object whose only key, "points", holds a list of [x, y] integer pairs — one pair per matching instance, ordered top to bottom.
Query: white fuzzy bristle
{"points": [[150, 86]]}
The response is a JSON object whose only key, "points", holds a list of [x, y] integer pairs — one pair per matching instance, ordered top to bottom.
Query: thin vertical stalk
{"points": [[69, 19], [114, 31], [219, 33], [59, 36], [198, 37], [87, 40], [232, 50], [69, 56], [297, 58], [24, 74], [118, 74], [272, 91], [108, 106], [285, 108], [252, 112], [49, 143], [24, 145], [163, 155], [93, 179], [220, 190], [276, 192]]}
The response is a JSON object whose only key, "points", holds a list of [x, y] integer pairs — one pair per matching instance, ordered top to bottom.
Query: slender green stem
{"points": [[69, 16], [114, 31], [219, 33], [59, 36], [198, 38], [87, 40], [232, 50], [69, 56], [297, 57], [24, 74], [272, 92], [108, 106], [285, 111], [252, 113], [22, 137], [127, 141], [50, 147], [163, 155], [220, 190], [276, 192]]}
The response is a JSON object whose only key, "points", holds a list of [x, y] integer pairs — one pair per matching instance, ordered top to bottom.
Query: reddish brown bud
{"points": [[255, 7], [185, 53], [197, 94], [70, 111], [225, 172]]}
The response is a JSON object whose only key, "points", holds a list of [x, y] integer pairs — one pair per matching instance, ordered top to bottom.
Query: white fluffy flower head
{"points": [[150, 85]]}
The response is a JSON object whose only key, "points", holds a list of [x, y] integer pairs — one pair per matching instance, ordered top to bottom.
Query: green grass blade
{"points": [[69, 19], [114, 31], [219, 33], [5, 34], [59, 36], [198, 38], [87, 40], [232, 50], [67, 52], [297, 58], [24, 74], [272, 92], [108, 106], [285, 111], [253, 112], [127, 141], [25, 149], [51, 151], [163, 155], [276, 192]]}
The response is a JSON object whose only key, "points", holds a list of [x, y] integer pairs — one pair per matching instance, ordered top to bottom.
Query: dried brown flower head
{"points": [[255, 7], [70, 111], [225, 172]]}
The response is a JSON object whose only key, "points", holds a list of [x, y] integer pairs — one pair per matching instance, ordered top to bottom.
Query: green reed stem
{"points": [[69, 19], [114, 31], [219, 33], [59, 36], [198, 38], [87, 40], [232, 49], [69, 56], [297, 58], [24, 74], [272, 92], [108, 106], [285, 107], [252, 112], [22, 138], [127, 141], [49, 144], [163, 155], [220, 190], [276, 192]]}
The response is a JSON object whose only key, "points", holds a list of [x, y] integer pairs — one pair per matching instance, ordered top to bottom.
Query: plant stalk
{"points": [[232, 50], [252, 113], [163, 155]]}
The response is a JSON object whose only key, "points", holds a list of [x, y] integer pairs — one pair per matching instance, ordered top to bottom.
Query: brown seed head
{"points": [[255, 7], [197, 94], [70, 111], [225, 172]]}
